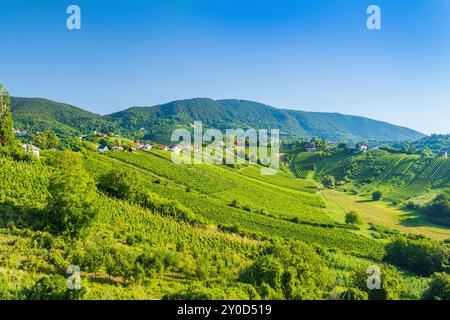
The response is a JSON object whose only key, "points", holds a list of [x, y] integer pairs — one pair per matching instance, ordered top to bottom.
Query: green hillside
{"points": [[41, 114], [223, 114], [159, 122], [399, 176], [136, 252]]}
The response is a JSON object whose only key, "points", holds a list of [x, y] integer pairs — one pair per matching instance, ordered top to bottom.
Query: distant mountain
{"points": [[40, 114], [222, 114], [159, 121]]}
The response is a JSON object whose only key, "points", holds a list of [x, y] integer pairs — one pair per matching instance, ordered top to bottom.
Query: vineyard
{"points": [[398, 176]]}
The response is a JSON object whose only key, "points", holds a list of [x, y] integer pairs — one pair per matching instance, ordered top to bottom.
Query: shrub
{"points": [[329, 182], [376, 196], [352, 217], [422, 256], [391, 284], [439, 287]]}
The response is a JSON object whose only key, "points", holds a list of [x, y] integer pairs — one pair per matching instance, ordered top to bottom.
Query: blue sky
{"points": [[303, 54]]}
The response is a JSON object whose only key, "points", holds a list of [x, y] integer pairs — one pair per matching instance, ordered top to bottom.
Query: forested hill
{"points": [[159, 121]]}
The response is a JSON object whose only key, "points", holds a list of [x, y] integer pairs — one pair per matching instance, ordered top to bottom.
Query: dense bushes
{"points": [[72, 204], [438, 210], [423, 257], [290, 271], [392, 285], [439, 287]]}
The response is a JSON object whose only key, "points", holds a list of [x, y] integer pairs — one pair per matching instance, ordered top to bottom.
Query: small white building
{"points": [[147, 147], [363, 147], [29, 148], [119, 148], [374, 148], [102, 149], [175, 149], [443, 154]]}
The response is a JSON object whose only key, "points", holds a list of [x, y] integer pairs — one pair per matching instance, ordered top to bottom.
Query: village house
{"points": [[19, 132], [139, 145], [147, 147], [163, 147], [311, 147], [362, 147], [29, 148], [119, 148], [374, 148], [102, 149], [132, 149], [175, 149], [443, 154]]}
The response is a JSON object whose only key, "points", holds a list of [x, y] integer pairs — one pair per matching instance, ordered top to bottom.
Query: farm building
{"points": [[29, 148], [117, 148], [102, 149], [132, 149], [443, 154]]}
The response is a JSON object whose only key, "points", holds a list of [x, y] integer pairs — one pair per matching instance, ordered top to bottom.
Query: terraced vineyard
{"points": [[398, 176]]}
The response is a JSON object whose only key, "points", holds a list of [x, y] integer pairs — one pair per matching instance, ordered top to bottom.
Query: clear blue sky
{"points": [[303, 54]]}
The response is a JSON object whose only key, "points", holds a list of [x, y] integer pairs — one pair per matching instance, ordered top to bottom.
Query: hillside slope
{"points": [[159, 121]]}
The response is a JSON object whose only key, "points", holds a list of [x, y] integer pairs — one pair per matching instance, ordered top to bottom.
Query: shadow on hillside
{"points": [[364, 201], [21, 217], [415, 218]]}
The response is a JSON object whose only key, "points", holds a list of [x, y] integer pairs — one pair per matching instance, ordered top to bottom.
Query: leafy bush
{"points": [[329, 182], [376, 196], [71, 205], [352, 217], [423, 256], [293, 269], [439, 287]]}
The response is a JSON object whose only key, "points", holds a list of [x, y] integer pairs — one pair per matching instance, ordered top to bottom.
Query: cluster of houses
{"points": [[144, 147], [362, 148]]}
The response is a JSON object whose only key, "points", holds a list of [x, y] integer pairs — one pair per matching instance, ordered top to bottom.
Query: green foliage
{"points": [[6, 123], [46, 140], [329, 182], [376, 195], [72, 203], [438, 210], [352, 217], [424, 257], [293, 270], [392, 285], [439, 287]]}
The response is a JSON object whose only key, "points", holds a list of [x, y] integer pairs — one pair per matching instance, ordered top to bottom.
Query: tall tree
{"points": [[7, 137]]}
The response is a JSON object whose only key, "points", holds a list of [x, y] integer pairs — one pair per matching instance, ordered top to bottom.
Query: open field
{"points": [[382, 213]]}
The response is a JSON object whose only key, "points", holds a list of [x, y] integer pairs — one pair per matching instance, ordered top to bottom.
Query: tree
{"points": [[7, 138], [46, 140], [342, 145], [329, 182], [119, 183], [376, 196], [72, 202], [438, 210], [352, 217], [423, 257], [293, 270], [392, 284], [439, 287]]}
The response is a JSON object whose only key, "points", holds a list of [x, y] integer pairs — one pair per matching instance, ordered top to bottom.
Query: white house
{"points": [[147, 147], [312, 147], [363, 147], [29, 148], [119, 148], [375, 148], [102, 149], [175, 149], [443, 154]]}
